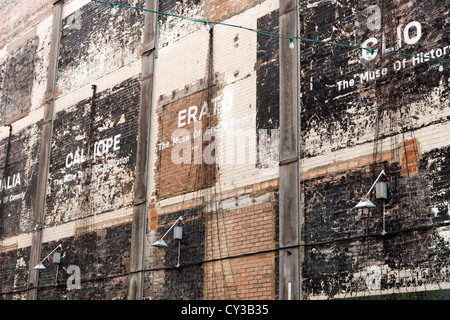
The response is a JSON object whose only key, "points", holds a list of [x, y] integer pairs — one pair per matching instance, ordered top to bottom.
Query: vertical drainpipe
{"points": [[45, 148], [289, 200], [139, 224]]}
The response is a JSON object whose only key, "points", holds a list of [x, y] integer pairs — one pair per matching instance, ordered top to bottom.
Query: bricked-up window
{"points": [[16, 82], [182, 146]]}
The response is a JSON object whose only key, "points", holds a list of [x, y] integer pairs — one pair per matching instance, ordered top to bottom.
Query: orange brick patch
{"points": [[223, 9], [409, 153], [409, 158]]}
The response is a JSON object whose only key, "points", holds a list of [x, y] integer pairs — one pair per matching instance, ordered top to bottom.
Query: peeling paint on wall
{"points": [[94, 43], [16, 82], [343, 93], [93, 155], [18, 186]]}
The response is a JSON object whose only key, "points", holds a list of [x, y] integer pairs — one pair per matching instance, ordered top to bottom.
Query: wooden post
{"points": [[45, 148], [289, 219], [139, 224]]}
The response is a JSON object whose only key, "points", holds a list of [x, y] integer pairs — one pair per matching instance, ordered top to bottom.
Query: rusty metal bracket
{"points": [[148, 48], [288, 160], [138, 202]]}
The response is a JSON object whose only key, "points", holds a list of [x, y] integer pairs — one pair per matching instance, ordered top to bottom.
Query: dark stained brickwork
{"points": [[172, 28], [94, 43], [16, 82], [267, 84], [348, 101], [333, 118], [94, 154], [18, 174], [342, 242], [103, 260], [13, 271], [170, 282]]}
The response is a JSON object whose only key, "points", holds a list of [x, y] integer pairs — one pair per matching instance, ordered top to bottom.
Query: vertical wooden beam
{"points": [[45, 147], [289, 219], [139, 224]]}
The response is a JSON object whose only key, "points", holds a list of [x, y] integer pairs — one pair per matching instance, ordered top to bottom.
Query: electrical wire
{"points": [[280, 36], [34, 224], [376, 235], [362, 237]]}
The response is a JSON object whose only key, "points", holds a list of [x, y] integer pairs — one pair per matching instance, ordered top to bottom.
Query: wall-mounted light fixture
{"points": [[113, 9], [291, 43], [381, 193], [177, 234], [41, 266]]}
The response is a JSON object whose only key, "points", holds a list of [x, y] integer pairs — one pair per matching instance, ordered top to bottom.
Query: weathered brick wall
{"points": [[18, 17], [95, 44], [17, 75], [267, 96], [355, 122], [94, 139], [181, 146], [94, 155], [18, 174], [230, 200], [92, 224], [247, 230], [343, 242], [102, 256], [14, 271], [167, 281]]}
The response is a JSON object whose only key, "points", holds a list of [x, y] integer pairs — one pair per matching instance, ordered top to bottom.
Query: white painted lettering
{"points": [[406, 33], [365, 53], [192, 111], [204, 111], [181, 118], [116, 142], [69, 163]]}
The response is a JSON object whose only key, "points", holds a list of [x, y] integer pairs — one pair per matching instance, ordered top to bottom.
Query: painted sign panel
{"points": [[396, 76], [183, 140], [19, 154], [93, 154]]}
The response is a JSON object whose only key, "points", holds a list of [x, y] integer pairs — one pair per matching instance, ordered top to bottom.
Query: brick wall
{"points": [[18, 17], [17, 82], [394, 120], [351, 131], [181, 146], [19, 154], [93, 157], [88, 202], [230, 206], [93, 226], [237, 232], [102, 257], [14, 270], [165, 280]]}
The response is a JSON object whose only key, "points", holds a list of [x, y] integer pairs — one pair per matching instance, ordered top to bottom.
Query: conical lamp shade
{"points": [[365, 204], [160, 243], [39, 266]]}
